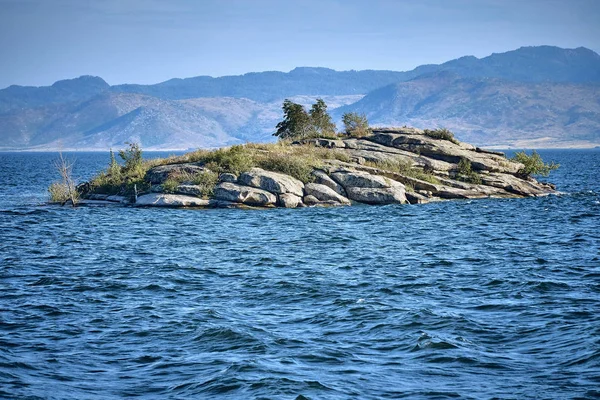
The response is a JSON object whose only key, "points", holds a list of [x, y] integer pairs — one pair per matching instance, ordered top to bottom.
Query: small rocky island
{"points": [[387, 166]]}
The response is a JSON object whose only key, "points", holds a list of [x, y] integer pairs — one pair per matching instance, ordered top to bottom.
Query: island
{"points": [[394, 165]]}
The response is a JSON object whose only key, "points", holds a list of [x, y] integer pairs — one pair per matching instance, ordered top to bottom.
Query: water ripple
{"points": [[467, 299]]}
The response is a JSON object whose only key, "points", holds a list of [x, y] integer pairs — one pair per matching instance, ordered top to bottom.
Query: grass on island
{"points": [[441, 133], [295, 160], [298, 161], [404, 168], [205, 180]]}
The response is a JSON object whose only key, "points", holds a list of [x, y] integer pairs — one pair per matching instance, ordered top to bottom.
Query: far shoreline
{"points": [[189, 149]]}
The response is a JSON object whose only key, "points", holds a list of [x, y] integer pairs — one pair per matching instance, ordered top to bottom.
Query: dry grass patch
{"points": [[294, 160], [406, 169]]}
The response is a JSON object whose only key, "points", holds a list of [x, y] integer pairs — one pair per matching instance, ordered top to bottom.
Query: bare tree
{"points": [[65, 169]]}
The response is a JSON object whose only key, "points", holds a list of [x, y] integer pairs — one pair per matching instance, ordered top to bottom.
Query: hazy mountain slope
{"points": [[527, 64], [270, 86], [82, 88], [543, 94], [490, 111], [111, 119], [64, 122]]}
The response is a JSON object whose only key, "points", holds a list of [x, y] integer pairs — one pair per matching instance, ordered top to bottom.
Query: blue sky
{"points": [[149, 41]]}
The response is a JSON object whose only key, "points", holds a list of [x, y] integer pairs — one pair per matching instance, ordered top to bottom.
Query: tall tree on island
{"points": [[321, 120], [296, 121], [299, 124]]}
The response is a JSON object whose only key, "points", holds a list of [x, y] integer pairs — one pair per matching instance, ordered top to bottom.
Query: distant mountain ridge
{"points": [[527, 64], [69, 90], [535, 93], [489, 111]]}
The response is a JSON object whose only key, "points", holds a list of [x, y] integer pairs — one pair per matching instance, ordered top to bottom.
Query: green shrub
{"points": [[356, 125], [441, 133], [322, 134], [131, 156], [235, 159], [533, 164], [295, 166], [464, 167], [114, 169], [466, 173], [123, 180], [206, 180], [106, 184], [170, 185], [59, 192]]}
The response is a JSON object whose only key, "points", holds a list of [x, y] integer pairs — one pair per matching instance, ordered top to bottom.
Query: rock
{"points": [[407, 130], [322, 142], [447, 151], [378, 153], [497, 153], [160, 173], [227, 177], [322, 178], [396, 178], [359, 179], [273, 182], [515, 185], [549, 186], [83, 188], [371, 189], [190, 190], [447, 192], [324, 193], [244, 194], [369, 195], [97, 196], [416, 198], [117, 199], [170, 200], [178, 200], [289, 200], [310, 200], [93, 203]]}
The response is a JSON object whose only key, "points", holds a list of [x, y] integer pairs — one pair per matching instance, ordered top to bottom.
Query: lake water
{"points": [[467, 299]]}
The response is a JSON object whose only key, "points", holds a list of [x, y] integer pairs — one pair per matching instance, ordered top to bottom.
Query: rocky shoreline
{"points": [[375, 173]]}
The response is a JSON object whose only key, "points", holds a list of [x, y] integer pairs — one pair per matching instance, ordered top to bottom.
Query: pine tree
{"points": [[321, 120], [296, 121], [114, 169]]}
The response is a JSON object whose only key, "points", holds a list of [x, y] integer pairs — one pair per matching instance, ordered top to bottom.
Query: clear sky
{"points": [[149, 41]]}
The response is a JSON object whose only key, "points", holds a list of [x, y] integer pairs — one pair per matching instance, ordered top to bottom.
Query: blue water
{"points": [[465, 299]]}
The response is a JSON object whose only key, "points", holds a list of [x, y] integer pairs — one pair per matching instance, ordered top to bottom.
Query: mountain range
{"points": [[531, 97]]}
